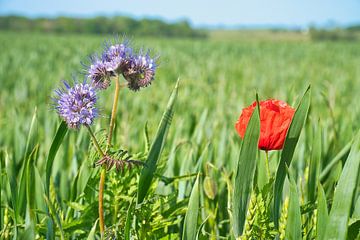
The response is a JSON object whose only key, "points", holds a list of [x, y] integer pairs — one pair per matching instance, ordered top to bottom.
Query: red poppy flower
{"points": [[275, 119]]}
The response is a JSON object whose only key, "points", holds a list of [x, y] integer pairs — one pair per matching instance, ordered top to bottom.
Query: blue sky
{"points": [[200, 12]]}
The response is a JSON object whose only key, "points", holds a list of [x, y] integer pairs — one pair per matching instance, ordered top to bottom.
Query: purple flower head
{"points": [[116, 56], [140, 71], [99, 74], [76, 105]]}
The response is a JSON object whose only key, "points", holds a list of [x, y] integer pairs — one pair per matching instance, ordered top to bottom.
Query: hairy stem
{"points": [[113, 113], [96, 143], [103, 170], [101, 202]]}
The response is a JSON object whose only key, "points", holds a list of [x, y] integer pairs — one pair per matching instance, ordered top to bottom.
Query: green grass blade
{"points": [[60, 134], [31, 135], [30, 144], [345, 150], [287, 153], [314, 167], [10, 171], [147, 172], [245, 172], [30, 194], [342, 201], [322, 211], [192, 213], [55, 216], [293, 225], [127, 228], [198, 234], [91, 235]]}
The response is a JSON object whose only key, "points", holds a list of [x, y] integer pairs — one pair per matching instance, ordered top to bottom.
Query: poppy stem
{"points": [[267, 164]]}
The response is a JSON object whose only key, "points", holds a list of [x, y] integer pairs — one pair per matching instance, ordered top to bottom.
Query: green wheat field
{"points": [[199, 179]]}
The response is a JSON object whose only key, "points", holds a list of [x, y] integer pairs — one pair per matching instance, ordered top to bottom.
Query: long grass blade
{"points": [[60, 134], [291, 140], [314, 167], [10, 170], [147, 172], [245, 172], [342, 202], [322, 211], [192, 213], [293, 225], [91, 235]]}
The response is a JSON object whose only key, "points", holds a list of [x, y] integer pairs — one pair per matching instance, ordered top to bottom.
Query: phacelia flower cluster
{"points": [[120, 59], [76, 105]]}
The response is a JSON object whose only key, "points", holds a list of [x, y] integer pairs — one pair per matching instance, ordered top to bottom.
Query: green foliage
{"points": [[101, 25], [338, 34], [216, 78], [337, 225]]}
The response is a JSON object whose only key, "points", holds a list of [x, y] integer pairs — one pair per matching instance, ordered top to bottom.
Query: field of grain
{"points": [[218, 78]]}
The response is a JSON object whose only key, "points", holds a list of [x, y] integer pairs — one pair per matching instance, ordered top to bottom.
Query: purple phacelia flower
{"points": [[116, 56], [140, 70], [99, 73], [76, 105]]}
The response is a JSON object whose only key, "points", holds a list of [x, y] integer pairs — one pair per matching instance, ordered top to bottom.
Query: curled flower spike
{"points": [[140, 71], [99, 73], [76, 105], [119, 164]]}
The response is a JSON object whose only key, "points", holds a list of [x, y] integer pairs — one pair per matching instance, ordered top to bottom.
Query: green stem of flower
{"points": [[113, 113], [96, 143], [267, 164], [103, 170], [101, 202]]}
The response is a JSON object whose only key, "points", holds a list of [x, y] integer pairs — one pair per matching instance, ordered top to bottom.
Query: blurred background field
{"points": [[220, 70], [219, 74]]}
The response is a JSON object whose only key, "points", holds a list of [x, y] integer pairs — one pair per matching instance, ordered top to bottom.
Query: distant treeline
{"points": [[105, 25], [338, 34]]}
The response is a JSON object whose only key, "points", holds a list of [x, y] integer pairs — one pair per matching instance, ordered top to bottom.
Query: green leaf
{"points": [[60, 134], [31, 135], [146, 138], [30, 144], [345, 150], [287, 153], [314, 167], [10, 171], [147, 172], [245, 172], [30, 189], [342, 201], [192, 213], [323, 215], [55, 216], [128, 222], [293, 225], [354, 230], [198, 234], [91, 235]]}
